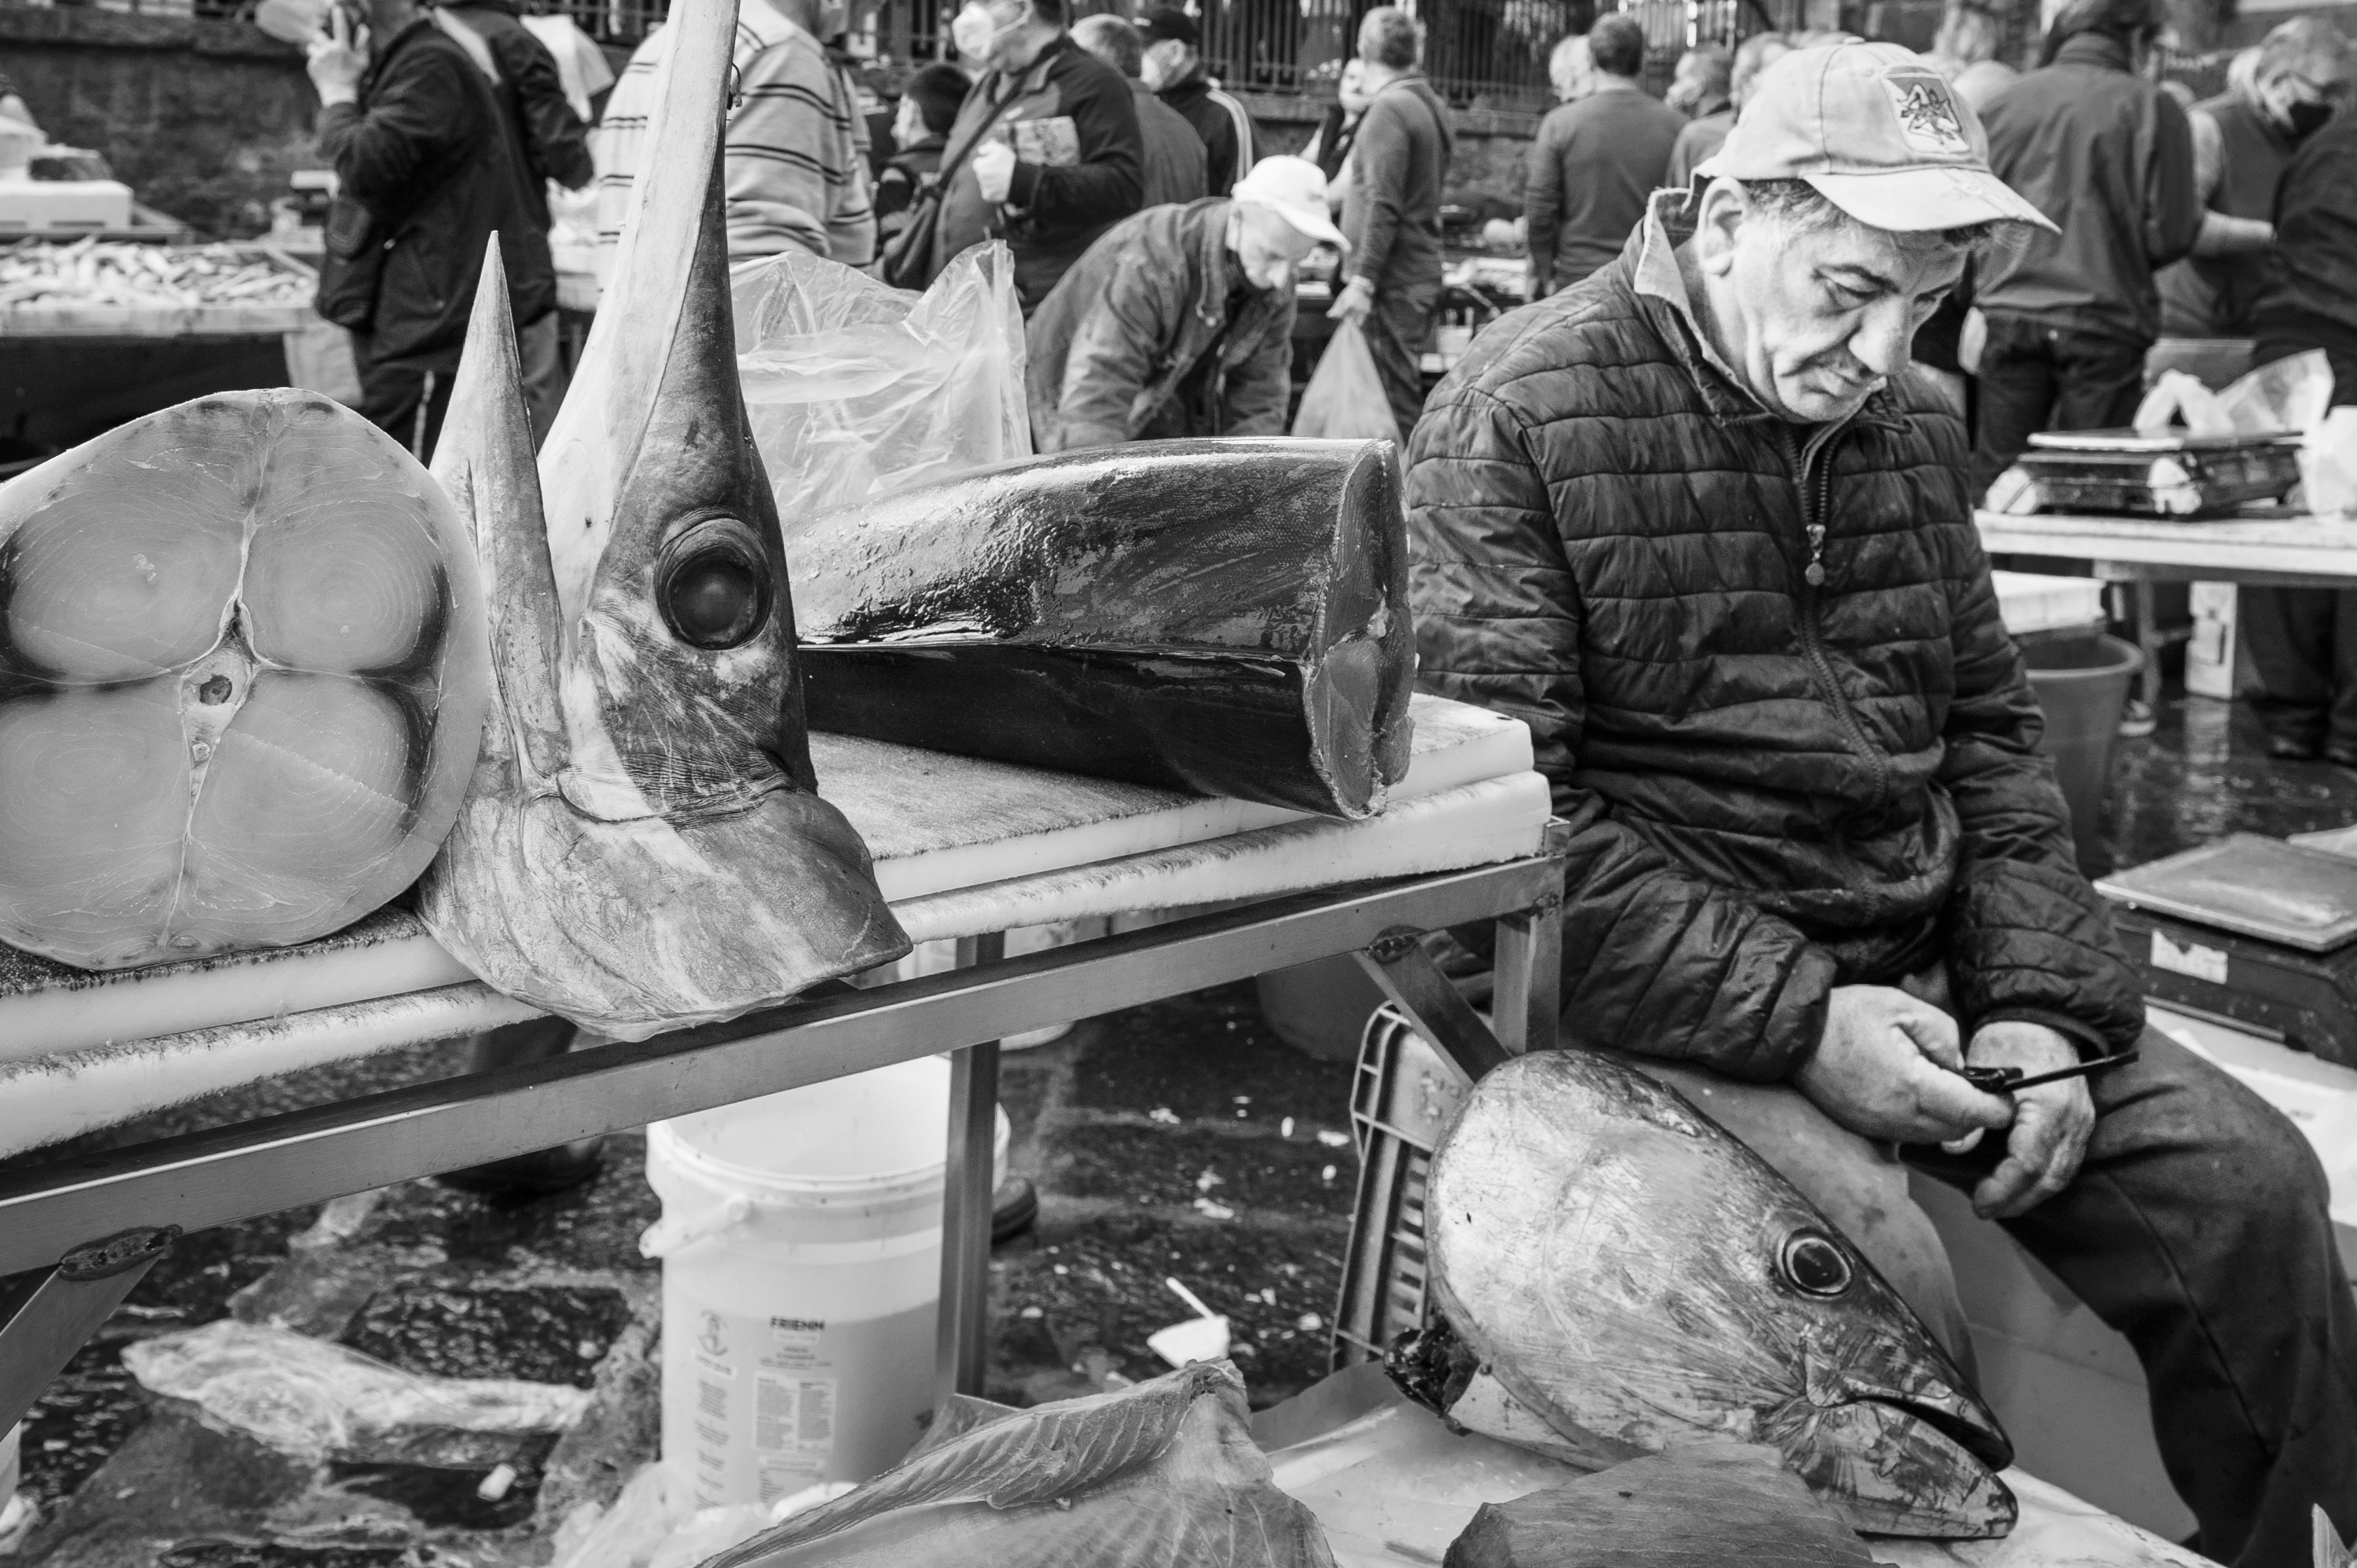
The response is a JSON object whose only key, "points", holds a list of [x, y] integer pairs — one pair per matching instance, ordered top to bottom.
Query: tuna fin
{"points": [[594, 442], [485, 463]]}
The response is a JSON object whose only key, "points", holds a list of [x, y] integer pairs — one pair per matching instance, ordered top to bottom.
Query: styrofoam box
{"points": [[69, 204], [2030, 602]]}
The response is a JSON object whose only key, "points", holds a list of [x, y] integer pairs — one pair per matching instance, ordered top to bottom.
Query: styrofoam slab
{"points": [[2031, 601], [933, 822], [1474, 824], [47, 1008], [52, 1098]]}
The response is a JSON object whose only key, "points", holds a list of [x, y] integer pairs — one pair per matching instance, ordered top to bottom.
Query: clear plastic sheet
{"points": [[854, 387], [1345, 400], [316, 1401], [654, 1523]]}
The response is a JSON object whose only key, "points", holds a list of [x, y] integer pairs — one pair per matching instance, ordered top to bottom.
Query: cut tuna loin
{"points": [[1225, 616], [243, 679]]}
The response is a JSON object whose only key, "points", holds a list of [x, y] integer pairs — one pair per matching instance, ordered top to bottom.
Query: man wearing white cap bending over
{"points": [[1179, 321], [1697, 523]]}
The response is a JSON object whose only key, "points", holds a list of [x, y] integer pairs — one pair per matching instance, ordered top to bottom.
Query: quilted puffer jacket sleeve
{"points": [[2030, 938], [1656, 959]]}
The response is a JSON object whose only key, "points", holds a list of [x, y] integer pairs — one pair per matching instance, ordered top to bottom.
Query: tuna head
{"points": [[643, 847], [1635, 1280]]}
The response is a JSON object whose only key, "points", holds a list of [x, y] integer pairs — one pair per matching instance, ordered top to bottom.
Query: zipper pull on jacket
{"points": [[1815, 574]]}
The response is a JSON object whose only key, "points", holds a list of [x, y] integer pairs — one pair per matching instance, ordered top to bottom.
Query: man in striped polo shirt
{"points": [[796, 145]]}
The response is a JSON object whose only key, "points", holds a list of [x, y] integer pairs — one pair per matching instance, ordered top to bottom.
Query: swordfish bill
{"points": [[1224, 616], [643, 847]]}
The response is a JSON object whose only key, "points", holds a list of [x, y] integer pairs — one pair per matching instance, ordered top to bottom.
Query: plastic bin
{"points": [[2084, 686]]}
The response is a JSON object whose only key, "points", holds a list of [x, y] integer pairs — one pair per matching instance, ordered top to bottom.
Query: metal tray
{"points": [[2184, 477], [2254, 886]]}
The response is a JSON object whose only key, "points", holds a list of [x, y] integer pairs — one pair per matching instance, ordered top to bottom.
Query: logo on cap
{"points": [[1927, 116]]}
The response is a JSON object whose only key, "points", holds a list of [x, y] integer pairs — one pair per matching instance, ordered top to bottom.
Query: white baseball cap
{"points": [[1877, 131], [1294, 188]]}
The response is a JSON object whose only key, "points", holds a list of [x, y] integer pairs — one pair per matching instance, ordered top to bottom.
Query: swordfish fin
{"points": [[599, 430], [484, 461]]}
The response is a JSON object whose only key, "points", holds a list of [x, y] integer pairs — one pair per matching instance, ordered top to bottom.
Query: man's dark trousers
{"points": [[1399, 330], [2037, 375], [405, 399], [2303, 641], [2303, 644], [2198, 1227]]}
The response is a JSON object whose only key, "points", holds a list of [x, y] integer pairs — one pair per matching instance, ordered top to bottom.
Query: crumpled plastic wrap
{"points": [[854, 387], [2287, 396], [2328, 464], [317, 1400], [654, 1523]]}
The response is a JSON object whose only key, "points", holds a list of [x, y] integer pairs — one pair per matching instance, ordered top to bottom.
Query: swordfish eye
{"points": [[712, 583], [1815, 1264]]}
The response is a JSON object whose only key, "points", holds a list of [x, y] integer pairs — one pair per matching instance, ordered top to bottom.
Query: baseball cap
{"points": [[1169, 22], [1877, 131], [1296, 189]]}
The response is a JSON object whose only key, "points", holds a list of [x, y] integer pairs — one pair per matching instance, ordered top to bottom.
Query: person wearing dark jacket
{"points": [[1174, 70], [920, 130], [551, 139], [554, 141], [2244, 141], [1046, 151], [2109, 157], [1596, 160], [1176, 168], [429, 172], [1390, 209], [1179, 321], [1696, 522], [2303, 641]]}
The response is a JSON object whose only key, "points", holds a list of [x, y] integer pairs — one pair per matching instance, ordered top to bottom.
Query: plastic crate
{"points": [[1405, 1095]]}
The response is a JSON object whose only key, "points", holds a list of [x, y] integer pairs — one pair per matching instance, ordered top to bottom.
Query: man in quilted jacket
{"points": [[1696, 522]]}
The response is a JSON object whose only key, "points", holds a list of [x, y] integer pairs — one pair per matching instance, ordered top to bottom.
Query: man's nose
{"points": [[1885, 337]]}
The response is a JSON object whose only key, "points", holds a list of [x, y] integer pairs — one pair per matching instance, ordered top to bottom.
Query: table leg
{"points": [[2149, 640], [1528, 1001], [1432, 1002], [45, 1317], [961, 1344]]}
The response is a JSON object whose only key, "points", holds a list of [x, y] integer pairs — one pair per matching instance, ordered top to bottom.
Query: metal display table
{"points": [[2264, 546], [78, 1234]]}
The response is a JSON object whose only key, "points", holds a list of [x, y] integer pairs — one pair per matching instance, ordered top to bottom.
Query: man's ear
{"points": [[1725, 209]]}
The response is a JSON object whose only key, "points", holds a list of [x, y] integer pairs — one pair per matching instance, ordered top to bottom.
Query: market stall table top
{"points": [[2269, 544], [965, 850]]}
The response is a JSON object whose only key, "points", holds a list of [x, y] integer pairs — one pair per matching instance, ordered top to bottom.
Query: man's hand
{"points": [[338, 59], [994, 170], [1355, 303], [1885, 1069], [2052, 1122]]}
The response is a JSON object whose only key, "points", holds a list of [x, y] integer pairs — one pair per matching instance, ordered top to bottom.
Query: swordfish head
{"points": [[643, 847], [1635, 1280]]}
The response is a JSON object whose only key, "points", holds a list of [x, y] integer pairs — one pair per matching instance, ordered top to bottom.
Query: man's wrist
{"points": [[336, 97]]}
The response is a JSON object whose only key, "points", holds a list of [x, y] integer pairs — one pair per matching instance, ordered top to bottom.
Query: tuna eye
{"points": [[713, 589], [1815, 1263]]}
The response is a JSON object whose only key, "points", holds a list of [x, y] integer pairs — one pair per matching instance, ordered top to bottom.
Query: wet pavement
{"points": [[1179, 1140]]}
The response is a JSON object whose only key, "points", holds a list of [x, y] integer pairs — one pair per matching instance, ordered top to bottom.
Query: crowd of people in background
{"points": [[1079, 143]]}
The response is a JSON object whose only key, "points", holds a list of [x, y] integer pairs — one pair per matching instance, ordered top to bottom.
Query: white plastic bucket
{"points": [[800, 1241]]}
